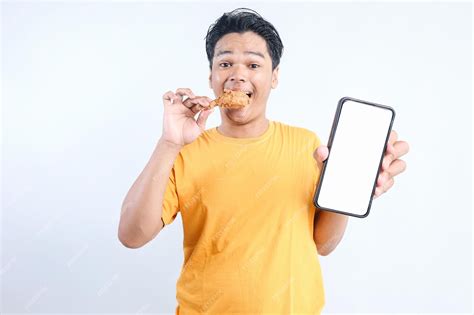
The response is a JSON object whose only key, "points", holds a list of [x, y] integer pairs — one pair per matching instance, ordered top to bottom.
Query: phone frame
{"points": [[331, 138]]}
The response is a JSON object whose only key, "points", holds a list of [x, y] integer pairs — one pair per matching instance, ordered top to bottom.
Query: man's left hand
{"points": [[391, 163]]}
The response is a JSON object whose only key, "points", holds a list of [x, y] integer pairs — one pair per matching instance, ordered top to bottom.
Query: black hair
{"points": [[240, 21]]}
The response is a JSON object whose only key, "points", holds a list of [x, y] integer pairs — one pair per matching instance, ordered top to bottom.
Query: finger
{"points": [[185, 92], [181, 93], [168, 98], [199, 100], [205, 101], [209, 102], [189, 103], [202, 103], [196, 105], [196, 108], [202, 118], [393, 137], [401, 148], [391, 149], [390, 152], [321, 154], [390, 155], [387, 160], [398, 166], [382, 178], [386, 186], [383, 188], [376, 193]]}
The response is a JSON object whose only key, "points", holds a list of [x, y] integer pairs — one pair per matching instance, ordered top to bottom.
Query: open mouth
{"points": [[249, 94]]}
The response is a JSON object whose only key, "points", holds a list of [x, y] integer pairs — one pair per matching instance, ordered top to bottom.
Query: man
{"points": [[244, 189]]}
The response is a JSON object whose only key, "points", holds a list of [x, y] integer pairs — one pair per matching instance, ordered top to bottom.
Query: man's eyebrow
{"points": [[223, 52], [230, 52], [255, 53]]}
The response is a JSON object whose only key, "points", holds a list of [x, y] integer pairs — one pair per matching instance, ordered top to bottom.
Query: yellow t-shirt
{"points": [[247, 213]]}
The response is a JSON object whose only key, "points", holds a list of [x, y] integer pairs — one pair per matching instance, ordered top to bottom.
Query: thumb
{"points": [[202, 118], [321, 154]]}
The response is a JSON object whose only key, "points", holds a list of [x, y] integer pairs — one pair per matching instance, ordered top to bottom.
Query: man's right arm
{"points": [[140, 217]]}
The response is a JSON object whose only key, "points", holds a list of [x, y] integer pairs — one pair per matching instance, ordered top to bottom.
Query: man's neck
{"points": [[252, 129]]}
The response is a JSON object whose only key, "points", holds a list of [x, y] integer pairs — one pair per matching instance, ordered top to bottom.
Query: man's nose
{"points": [[238, 75]]}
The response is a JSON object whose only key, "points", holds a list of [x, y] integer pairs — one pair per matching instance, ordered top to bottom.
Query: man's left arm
{"points": [[329, 227]]}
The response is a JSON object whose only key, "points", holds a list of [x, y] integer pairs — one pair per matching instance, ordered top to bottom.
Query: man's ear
{"points": [[275, 77], [210, 80]]}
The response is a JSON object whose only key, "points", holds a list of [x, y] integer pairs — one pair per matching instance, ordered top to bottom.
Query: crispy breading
{"points": [[231, 99]]}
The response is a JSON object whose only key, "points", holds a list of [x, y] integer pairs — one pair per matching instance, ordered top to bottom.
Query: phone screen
{"points": [[356, 147]]}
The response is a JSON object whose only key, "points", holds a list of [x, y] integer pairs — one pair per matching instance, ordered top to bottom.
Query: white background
{"points": [[82, 85]]}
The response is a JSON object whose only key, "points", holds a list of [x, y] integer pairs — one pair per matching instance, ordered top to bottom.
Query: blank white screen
{"points": [[354, 158]]}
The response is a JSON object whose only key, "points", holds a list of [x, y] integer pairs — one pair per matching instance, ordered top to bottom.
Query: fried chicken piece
{"points": [[231, 99]]}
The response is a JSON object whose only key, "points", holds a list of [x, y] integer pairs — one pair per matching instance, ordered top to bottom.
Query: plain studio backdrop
{"points": [[82, 85]]}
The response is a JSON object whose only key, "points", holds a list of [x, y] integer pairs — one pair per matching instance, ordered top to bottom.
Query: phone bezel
{"points": [[331, 137]]}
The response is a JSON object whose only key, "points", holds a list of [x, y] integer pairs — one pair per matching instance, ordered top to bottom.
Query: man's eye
{"points": [[224, 64], [254, 66]]}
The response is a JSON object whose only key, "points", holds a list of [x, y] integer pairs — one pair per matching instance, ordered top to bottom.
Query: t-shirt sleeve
{"points": [[170, 207]]}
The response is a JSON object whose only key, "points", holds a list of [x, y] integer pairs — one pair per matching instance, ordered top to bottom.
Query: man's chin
{"points": [[240, 115]]}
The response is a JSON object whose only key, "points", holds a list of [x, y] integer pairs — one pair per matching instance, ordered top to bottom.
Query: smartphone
{"points": [[357, 144]]}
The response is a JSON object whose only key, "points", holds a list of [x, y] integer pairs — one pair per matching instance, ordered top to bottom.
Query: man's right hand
{"points": [[179, 125]]}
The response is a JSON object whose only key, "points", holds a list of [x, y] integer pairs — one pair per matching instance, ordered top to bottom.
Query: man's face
{"points": [[242, 63]]}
